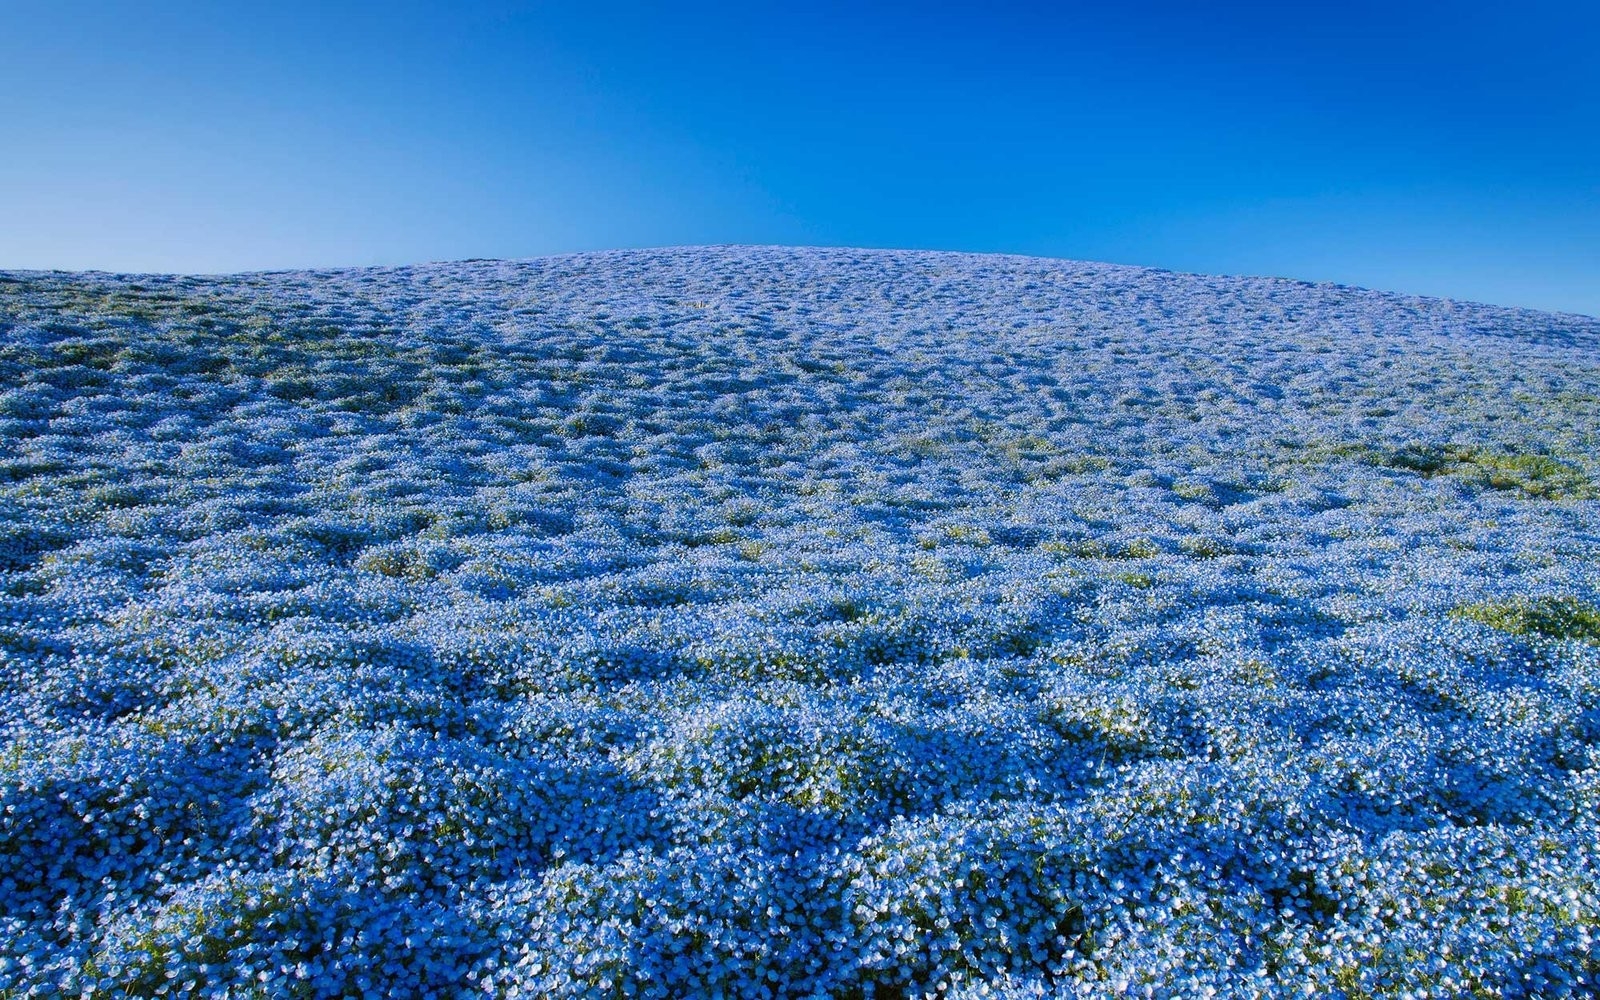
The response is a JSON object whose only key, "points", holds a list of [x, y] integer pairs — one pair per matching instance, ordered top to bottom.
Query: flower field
{"points": [[794, 623]]}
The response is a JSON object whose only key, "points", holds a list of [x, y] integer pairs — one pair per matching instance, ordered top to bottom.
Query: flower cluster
{"points": [[794, 623]]}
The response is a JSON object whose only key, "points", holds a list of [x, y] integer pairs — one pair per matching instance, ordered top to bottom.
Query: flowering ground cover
{"points": [[794, 623]]}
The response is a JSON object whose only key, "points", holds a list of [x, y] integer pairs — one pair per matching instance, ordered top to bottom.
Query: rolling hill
{"points": [[767, 622]]}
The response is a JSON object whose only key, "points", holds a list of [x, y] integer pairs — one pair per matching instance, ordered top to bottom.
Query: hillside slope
{"points": [[794, 622]]}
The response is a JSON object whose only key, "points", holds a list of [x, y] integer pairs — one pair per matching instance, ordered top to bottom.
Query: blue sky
{"points": [[1448, 149]]}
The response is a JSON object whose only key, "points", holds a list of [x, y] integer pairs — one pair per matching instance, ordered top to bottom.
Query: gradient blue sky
{"points": [[1439, 148]]}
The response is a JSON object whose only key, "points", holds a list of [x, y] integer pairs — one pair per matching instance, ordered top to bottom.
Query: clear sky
{"points": [[1438, 148]]}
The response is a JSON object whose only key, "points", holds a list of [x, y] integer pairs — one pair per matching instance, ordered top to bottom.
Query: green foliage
{"points": [[1529, 473], [1532, 475], [1205, 546], [1139, 548], [1554, 617]]}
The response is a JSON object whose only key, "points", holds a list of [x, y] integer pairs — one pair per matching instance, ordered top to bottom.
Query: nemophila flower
{"points": [[767, 623], [100, 812], [286, 933]]}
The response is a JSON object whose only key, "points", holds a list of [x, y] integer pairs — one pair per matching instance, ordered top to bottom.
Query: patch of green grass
{"points": [[1533, 475], [1196, 491], [1205, 547], [1099, 548], [1138, 548], [1554, 617]]}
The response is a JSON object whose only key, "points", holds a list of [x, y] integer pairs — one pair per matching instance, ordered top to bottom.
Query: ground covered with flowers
{"points": [[794, 623]]}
